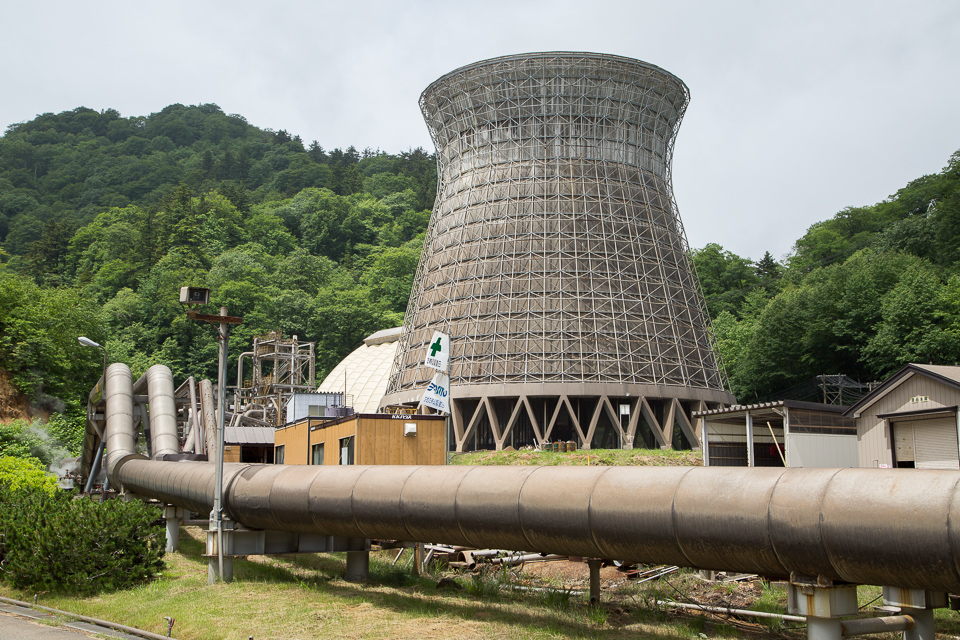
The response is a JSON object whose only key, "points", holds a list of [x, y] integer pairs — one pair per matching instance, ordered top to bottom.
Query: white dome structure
{"points": [[365, 372]]}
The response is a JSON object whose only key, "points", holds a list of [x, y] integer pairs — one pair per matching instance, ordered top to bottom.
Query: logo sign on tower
{"points": [[438, 351], [437, 395]]}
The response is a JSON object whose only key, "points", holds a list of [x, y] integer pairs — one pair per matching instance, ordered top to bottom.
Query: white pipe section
{"points": [[245, 354], [163, 411], [119, 413], [195, 418], [209, 419], [190, 425], [732, 612]]}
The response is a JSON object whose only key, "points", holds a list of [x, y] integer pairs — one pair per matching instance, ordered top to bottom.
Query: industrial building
{"points": [[556, 261], [363, 375], [910, 421], [785, 433], [363, 439]]}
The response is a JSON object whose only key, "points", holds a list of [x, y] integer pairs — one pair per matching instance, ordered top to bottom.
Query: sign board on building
{"points": [[438, 352], [437, 395]]}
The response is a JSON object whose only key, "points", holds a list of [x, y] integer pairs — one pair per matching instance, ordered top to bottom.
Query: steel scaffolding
{"points": [[555, 258], [280, 368]]}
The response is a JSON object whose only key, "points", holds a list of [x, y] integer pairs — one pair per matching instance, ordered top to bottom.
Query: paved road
{"points": [[17, 623], [13, 628]]}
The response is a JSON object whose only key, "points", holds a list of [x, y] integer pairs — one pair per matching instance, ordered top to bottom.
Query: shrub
{"points": [[25, 472], [56, 542]]}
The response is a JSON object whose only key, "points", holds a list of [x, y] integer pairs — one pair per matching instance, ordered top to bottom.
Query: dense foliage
{"points": [[104, 218], [862, 294], [47, 443], [50, 541]]}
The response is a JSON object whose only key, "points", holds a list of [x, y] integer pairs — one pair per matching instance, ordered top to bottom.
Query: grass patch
{"points": [[593, 457], [305, 596]]}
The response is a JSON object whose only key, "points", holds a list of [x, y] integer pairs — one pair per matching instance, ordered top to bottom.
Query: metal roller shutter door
{"points": [[903, 440], [934, 442]]}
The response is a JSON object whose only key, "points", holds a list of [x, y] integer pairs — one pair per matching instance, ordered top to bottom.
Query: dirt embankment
{"points": [[13, 404]]}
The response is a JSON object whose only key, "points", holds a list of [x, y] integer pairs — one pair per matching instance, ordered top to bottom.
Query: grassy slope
{"points": [[597, 457]]}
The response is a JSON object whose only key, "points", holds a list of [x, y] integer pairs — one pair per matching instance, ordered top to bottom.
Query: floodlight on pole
{"points": [[87, 342]]}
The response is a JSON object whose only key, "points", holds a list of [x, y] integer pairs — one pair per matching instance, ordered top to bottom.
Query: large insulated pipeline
{"points": [[163, 410], [119, 415], [867, 526]]}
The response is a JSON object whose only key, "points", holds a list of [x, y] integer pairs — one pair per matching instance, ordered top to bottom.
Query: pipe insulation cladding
{"points": [[163, 411], [865, 526]]}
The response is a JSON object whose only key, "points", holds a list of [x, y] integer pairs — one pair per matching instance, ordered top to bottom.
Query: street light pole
{"points": [[223, 322], [223, 334], [87, 342], [95, 467]]}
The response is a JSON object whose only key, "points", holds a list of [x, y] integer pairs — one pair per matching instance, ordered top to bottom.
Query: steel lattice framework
{"points": [[555, 258]]}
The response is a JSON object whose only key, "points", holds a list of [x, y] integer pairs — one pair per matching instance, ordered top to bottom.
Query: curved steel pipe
{"points": [[163, 411], [119, 416], [862, 526], [865, 526]]}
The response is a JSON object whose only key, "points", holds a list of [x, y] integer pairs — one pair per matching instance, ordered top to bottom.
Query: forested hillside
{"points": [[103, 218], [862, 294]]}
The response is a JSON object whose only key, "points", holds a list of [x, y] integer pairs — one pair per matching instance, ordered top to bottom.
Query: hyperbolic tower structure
{"points": [[555, 258]]}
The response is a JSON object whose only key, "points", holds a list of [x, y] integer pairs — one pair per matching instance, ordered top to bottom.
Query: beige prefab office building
{"points": [[910, 421]]}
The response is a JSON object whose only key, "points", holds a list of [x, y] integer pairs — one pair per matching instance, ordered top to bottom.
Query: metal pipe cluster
{"points": [[867, 526]]}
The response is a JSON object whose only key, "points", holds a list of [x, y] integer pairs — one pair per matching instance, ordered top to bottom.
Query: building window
{"points": [[314, 411], [346, 450], [278, 454], [316, 454]]}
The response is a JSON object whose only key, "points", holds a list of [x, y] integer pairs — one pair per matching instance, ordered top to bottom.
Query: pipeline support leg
{"points": [[172, 515], [213, 555], [358, 559], [594, 565], [213, 566], [358, 566], [919, 605], [823, 607], [923, 626], [823, 628]]}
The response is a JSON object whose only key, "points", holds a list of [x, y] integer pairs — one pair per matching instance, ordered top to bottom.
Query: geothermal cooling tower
{"points": [[556, 261]]}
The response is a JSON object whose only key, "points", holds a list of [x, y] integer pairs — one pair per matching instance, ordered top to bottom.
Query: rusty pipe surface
{"points": [[865, 526]]}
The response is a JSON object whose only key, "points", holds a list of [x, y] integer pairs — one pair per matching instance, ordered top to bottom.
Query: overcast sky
{"points": [[798, 109]]}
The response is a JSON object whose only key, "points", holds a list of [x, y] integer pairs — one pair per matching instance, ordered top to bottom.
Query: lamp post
{"points": [[195, 296], [87, 342], [95, 468]]}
